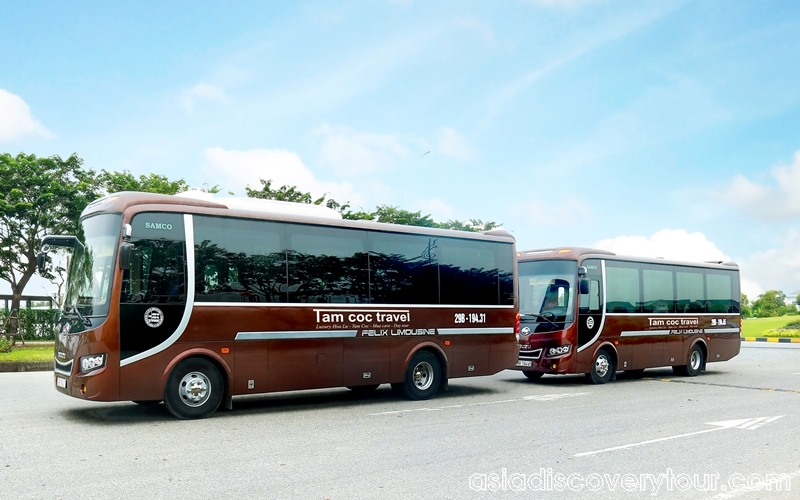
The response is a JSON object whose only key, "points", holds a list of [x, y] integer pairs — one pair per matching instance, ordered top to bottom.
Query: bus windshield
{"points": [[91, 269], [547, 292]]}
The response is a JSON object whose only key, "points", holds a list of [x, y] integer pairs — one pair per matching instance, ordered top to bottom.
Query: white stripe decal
{"points": [[188, 225], [387, 307], [602, 308], [672, 315], [721, 330], [473, 331], [642, 333], [313, 334]]}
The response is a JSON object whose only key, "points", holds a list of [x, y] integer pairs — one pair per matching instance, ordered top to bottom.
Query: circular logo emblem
{"points": [[153, 317], [590, 322], [526, 331]]}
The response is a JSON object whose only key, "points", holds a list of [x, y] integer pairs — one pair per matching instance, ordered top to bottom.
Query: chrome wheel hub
{"points": [[695, 360], [601, 366], [423, 375], [194, 389]]}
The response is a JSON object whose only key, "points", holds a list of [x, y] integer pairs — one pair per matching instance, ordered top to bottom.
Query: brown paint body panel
{"points": [[641, 346], [382, 349]]}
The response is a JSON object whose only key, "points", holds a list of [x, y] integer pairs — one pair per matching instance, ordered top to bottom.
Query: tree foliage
{"points": [[114, 182], [38, 196], [382, 213], [772, 303], [747, 310]]}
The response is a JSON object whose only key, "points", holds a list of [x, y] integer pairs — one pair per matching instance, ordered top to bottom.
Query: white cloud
{"points": [[202, 92], [16, 120], [451, 143], [349, 152], [234, 170], [779, 200], [439, 210], [676, 244], [774, 269]]}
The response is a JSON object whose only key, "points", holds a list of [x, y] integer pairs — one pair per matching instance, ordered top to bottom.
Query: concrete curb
{"points": [[781, 340], [35, 366]]}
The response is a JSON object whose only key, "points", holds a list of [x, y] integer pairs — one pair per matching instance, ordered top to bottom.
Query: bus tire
{"points": [[693, 366], [602, 367], [532, 375], [423, 377], [194, 389], [361, 389]]}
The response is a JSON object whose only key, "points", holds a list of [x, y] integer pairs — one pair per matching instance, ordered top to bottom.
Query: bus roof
{"points": [[252, 208], [581, 253]]}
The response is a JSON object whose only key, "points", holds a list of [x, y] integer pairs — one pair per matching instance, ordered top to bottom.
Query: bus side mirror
{"points": [[125, 255], [41, 262], [582, 271], [584, 286]]}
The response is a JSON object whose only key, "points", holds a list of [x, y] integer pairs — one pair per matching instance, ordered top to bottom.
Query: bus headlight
{"points": [[557, 352], [92, 362]]}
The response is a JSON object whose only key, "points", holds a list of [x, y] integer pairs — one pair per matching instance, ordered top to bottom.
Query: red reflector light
{"points": [[516, 324], [446, 342], [225, 350]]}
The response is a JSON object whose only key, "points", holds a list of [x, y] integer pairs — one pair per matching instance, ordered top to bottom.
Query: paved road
{"points": [[737, 421]]}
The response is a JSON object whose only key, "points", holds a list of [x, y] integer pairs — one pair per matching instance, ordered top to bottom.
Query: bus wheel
{"points": [[693, 366], [602, 368], [532, 375], [423, 377], [363, 388], [194, 389]]}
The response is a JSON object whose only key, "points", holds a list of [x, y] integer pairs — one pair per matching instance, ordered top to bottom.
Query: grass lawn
{"points": [[762, 327], [27, 354]]}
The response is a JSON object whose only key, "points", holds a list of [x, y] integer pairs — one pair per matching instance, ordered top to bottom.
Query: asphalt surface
{"points": [[659, 437]]}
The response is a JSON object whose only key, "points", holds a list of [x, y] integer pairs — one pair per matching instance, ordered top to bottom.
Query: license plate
{"points": [[523, 362], [61, 382]]}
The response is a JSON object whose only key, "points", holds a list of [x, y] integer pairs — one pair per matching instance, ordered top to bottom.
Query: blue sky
{"points": [[663, 128]]}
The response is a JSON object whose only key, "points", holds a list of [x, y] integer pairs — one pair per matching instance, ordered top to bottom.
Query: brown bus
{"points": [[192, 301], [593, 312]]}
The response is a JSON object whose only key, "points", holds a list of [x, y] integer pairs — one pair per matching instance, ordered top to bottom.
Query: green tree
{"points": [[114, 182], [284, 193], [38, 196], [383, 213], [769, 304], [747, 310]]}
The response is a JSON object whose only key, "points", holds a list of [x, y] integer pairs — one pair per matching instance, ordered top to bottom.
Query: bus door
{"points": [[153, 293], [590, 307]]}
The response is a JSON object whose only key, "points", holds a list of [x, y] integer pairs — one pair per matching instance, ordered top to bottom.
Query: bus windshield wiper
{"points": [[73, 311], [543, 317]]}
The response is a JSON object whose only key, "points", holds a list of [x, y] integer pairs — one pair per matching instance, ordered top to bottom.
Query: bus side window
{"points": [[590, 302]]}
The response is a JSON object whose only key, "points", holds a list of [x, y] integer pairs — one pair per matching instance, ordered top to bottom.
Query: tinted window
{"points": [[239, 260], [327, 265], [404, 268], [468, 272], [157, 273], [622, 287], [657, 289], [719, 292], [547, 293], [691, 296], [590, 302], [735, 305]]}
